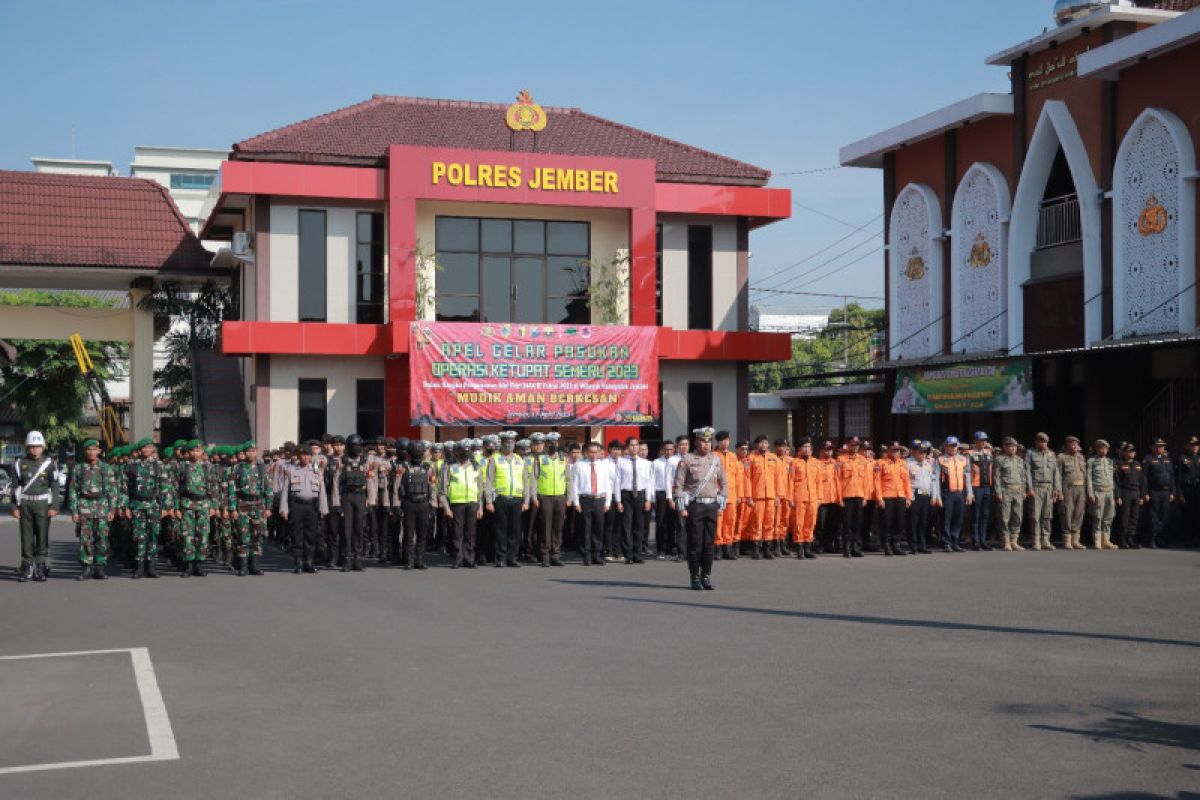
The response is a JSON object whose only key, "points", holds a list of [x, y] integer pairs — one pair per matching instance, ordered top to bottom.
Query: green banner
{"points": [[986, 386]]}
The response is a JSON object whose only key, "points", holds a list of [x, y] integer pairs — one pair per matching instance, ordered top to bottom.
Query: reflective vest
{"points": [[510, 476], [552, 476], [462, 483]]}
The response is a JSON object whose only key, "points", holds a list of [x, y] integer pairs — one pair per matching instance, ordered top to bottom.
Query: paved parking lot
{"points": [[950, 675]]}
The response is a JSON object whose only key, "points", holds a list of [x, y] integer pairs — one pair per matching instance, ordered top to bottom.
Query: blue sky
{"points": [[780, 84]]}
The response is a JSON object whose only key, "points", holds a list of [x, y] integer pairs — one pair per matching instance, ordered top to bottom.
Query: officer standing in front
{"points": [[1160, 477], [550, 478], [460, 484], [1011, 487], [414, 488], [507, 489], [700, 492], [1101, 494], [1131, 494], [91, 499], [35, 502], [303, 504]]}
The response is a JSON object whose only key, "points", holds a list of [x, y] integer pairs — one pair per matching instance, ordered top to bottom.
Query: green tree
{"points": [[192, 320], [844, 343], [44, 382]]}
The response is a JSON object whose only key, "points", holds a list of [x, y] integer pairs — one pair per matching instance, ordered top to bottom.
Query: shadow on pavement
{"points": [[622, 584], [917, 623], [1133, 730], [1135, 795]]}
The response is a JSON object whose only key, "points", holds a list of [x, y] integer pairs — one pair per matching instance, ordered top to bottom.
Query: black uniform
{"points": [[1160, 477], [1187, 480], [1131, 488], [416, 492], [351, 496]]}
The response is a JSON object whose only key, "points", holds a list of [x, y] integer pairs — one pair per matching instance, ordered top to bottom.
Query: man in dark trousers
{"points": [[1187, 482], [414, 487], [700, 492], [350, 495], [303, 504]]}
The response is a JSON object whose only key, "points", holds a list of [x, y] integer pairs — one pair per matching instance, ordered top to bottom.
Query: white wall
{"points": [[339, 262], [675, 272], [340, 372], [676, 375]]}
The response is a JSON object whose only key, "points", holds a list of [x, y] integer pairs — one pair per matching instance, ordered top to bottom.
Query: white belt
{"points": [[43, 497], [705, 500]]}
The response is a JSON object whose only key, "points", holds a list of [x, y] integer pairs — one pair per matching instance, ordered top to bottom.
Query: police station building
{"points": [[346, 228]]}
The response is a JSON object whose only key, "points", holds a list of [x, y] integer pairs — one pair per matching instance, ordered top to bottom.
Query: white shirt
{"points": [[673, 461], [664, 473], [645, 475], [579, 480]]}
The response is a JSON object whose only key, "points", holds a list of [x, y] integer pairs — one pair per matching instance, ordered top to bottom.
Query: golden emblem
{"points": [[525, 115], [1153, 218], [981, 252], [914, 269]]}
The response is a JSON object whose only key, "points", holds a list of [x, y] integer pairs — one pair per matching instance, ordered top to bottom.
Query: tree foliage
{"points": [[193, 318], [844, 343], [44, 383]]}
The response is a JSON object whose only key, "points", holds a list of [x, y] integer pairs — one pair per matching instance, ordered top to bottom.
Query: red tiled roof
{"points": [[1169, 5], [361, 134], [84, 221]]}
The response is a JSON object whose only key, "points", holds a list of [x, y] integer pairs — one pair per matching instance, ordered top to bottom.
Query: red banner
{"points": [[466, 373]]}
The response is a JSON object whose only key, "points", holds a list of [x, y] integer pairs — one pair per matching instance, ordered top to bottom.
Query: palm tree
{"points": [[190, 319]]}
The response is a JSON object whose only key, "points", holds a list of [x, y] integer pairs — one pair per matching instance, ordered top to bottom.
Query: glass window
{"points": [[185, 180], [457, 234], [497, 235], [529, 237], [567, 238], [312, 266], [369, 269], [459, 273], [565, 275], [700, 277], [497, 289], [528, 292], [457, 308], [699, 405], [312, 409], [369, 416]]}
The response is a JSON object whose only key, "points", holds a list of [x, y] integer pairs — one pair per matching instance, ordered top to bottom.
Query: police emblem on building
{"points": [[525, 115], [1153, 218], [981, 252], [914, 269]]}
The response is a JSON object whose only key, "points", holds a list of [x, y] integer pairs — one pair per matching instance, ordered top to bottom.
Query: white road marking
{"points": [[158, 725]]}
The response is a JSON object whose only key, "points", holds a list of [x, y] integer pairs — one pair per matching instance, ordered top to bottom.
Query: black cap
{"points": [[722, 436], [761, 438], [339, 439], [803, 440], [781, 442]]}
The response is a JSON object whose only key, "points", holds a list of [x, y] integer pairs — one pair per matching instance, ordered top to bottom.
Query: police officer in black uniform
{"points": [[1160, 477], [1187, 480], [415, 489], [1131, 493], [350, 494]]}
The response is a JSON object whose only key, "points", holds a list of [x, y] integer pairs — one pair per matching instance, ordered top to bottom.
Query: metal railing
{"points": [[1058, 221], [1166, 410]]}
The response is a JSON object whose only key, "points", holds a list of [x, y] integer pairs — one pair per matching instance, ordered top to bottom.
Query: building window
{"points": [[185, 180], [312, 270], [512, 270], [658, 272], [368, 275], [700, 278], [699, 405], [314, 411], [369, 418], [857, 421]]}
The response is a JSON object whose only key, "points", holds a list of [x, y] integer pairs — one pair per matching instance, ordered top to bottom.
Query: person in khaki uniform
{"points": [[1072, 467], [1046, 480], [1012, 486], [1101, 494]]}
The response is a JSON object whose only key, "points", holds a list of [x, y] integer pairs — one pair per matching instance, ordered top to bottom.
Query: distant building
{"points": [[73, 166], [187, 172], [801, 326]]}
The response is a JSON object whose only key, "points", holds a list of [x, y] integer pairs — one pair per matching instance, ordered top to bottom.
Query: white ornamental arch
{"points": [[1154, 228], [979, 263], [915, 274]]}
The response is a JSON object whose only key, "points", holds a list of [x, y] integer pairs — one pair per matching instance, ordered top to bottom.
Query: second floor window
{"points": [[512, 270], [368, 272]]}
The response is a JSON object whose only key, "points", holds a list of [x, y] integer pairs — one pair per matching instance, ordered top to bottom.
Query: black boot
{"points": [[887, 547], [845, 548], [809, 550], [856, 550], [733, 551], [766, 551], [756, 553], [546, 561], [239, 564], [297, 566], [357, 566], [310, 567], [198, 569], [138, 570], [151, 570], [254, 570], [186, 572], [41, 573], [99, 573], [25, 574], [86, 574], [696, 583], [705, 583]]}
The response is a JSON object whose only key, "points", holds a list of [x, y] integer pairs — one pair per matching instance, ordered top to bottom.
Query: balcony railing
{"points": [[1058, 221]]}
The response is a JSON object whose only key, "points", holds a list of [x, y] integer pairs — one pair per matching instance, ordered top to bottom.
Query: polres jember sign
{"points": [[465, 373]]}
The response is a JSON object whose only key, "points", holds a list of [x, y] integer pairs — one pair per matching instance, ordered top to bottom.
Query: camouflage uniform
{"points": [[148, 496], [250, 496], [92, 497], [198, 501]]}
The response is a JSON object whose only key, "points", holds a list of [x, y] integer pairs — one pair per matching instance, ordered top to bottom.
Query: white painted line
{"points": [[158, 724]]}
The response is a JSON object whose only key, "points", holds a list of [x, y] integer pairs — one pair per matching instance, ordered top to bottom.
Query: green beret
{"points": [[145, 440], [90, 443], [179, 443], [193, 444], [250, 445], [168, 451]]}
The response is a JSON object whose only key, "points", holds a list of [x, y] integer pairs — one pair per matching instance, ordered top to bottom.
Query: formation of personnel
{"points": [[342, 502]]}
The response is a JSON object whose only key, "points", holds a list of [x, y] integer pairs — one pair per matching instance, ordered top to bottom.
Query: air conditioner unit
{"points": [[242, 243]]}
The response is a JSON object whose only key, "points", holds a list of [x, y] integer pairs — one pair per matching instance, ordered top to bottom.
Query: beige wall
{"points": [[609, 228], [285, 262], [675, 274], [340, 372], [676, 375], [773, 424]]}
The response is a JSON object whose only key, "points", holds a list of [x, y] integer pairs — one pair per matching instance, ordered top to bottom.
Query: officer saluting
{"points": [[700, 491]]}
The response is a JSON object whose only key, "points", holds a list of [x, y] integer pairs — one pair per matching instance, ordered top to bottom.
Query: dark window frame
{"points": [[545, 257], [700, 277], [311, 286], [369, 312], [697, 402], [370, 420], [311, 423]]}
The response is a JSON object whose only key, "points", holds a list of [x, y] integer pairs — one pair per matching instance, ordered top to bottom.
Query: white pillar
{"points": [[141, 368]]}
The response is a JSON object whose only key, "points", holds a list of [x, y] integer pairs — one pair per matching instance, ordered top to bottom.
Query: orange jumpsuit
{"points": [[855, 476], [735, 479], [892, 480], [764, 488], [829, 488], [806, 496], [746, 519], [783, 519]]}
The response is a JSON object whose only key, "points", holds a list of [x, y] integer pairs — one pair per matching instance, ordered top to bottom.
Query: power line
{"points": [[807, 171], [816, 253], [836, 270], [820, 294]]}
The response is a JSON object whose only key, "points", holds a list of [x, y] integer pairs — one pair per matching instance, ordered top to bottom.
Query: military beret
{"points": [[1041, 437], [145, 440], [91, 443], [179, 443], [1100, 443], [193, 444], [250, 445], [168, 451]]}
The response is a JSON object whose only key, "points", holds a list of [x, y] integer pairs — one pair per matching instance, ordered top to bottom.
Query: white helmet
{"points": [[35, 438]]}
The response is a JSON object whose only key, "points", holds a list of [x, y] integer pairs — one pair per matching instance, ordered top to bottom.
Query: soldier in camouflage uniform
{"points": [[223, 463], [1010, 490], [251, 495], [197, 499], [91, 500], [149, 501]]}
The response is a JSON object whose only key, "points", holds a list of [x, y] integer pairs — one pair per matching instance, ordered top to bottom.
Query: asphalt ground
{"points": [[1063, 674]]}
